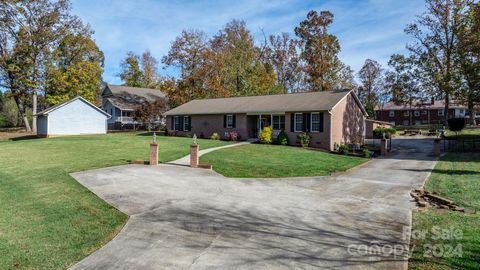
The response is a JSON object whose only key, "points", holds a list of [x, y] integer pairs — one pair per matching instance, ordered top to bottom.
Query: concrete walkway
{"points": [[185, 161], [183, 218]]}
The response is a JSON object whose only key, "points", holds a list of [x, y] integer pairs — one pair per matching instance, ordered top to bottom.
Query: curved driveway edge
{"points": [[183, 218]]}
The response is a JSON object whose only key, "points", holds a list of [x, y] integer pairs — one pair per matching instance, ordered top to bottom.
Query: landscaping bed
{"points": [[262, 161], [455, 177], [48, 220]]}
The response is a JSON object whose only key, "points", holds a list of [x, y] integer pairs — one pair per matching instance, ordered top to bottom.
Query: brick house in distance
{"points": [[421, 113], [330, 117]]}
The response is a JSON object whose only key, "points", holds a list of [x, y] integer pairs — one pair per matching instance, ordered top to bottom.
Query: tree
{"points": [[29, 32], [435, 44], [319, 51], [188, 53], [467, 56], [285, 59], [241, 66], [76, 69], [150, 70], [131, 73], [370, 76], [345, 78], [402, 83], [150, 113]]}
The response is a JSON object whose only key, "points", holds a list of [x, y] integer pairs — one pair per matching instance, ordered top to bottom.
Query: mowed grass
{"points": [[257, 160], [457, 177], [47, 219]]}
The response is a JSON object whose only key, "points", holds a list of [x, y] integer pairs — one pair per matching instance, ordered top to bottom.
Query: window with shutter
{"points": [[298, 122]]}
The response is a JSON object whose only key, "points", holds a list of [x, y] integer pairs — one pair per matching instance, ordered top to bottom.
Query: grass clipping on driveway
{"points": [[262, 161], [47, 219], [452, 239]]}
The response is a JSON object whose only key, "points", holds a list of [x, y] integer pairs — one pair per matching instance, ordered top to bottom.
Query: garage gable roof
{"points": [[59, 105]]}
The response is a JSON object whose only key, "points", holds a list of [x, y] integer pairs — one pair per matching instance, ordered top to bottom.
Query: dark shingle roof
{"points": [[128, 98], [305, 101]]}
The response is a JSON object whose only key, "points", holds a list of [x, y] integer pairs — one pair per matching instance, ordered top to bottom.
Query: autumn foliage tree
{"points": [[319, 51], [150, 113]]}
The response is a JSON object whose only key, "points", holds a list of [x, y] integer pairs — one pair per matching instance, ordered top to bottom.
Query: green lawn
{"points": [[465, 133], [257, 160], [456, 176], [47, 219]]}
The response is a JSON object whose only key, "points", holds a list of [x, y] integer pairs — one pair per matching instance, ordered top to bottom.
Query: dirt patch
{"points": [[14, 133]]}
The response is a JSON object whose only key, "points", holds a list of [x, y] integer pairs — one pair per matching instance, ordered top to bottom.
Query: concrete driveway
{"points": [[183, 218]]}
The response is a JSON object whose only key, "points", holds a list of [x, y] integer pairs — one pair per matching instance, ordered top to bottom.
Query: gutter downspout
{"points": [[331, 130]]}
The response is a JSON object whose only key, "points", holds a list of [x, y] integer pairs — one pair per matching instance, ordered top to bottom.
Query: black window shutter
{"points": [[172, 120], [234, 120], [224, 121], [292, 122], [321, 122], [181, 123], [189, 123], [305, 124]]}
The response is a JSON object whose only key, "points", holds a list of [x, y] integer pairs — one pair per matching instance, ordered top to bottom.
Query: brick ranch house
{"points": [[330, 117]]}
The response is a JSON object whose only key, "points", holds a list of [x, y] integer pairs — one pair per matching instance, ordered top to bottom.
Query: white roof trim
{"points": [[53, 108]]}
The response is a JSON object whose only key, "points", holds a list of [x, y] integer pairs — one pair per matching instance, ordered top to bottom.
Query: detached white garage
{"points": [[73, 117]]}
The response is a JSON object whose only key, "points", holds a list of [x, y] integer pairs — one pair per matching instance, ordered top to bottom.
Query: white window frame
{"points": [[440, 112], [391, 113], [406, 113], [416, 113], [176, 122], [184, 122], [279, 122], [295, 122], [311, 122], [229, 125]]}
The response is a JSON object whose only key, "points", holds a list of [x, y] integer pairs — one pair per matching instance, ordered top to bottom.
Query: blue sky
{"points": [[366, 28]]}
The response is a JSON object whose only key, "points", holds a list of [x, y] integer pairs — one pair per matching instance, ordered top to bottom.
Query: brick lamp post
{"points": [[154, 150], [194, 158]]}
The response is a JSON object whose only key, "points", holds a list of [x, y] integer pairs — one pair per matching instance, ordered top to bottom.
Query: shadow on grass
{"points": [[23, 138], [450, 172]]}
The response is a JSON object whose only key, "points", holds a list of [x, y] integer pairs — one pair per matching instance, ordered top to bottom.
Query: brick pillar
{"points": [[383, 147], [436, 147], [153, 154], [194, 158]]}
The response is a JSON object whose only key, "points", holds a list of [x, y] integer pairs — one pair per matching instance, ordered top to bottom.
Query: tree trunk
{"points": [[447, 106], [21, 110], [34, 112], [473, 114]]}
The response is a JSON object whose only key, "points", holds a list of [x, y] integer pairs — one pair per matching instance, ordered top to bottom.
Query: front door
{"points": [[263, 121]]}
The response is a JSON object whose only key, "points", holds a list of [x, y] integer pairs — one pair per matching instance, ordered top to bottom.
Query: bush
{"points": [[456, 124], [389, 132], [266, 135], [215, 136], [233, 136], [282, 138], [304, 139], [343, 149], [366, 153]]}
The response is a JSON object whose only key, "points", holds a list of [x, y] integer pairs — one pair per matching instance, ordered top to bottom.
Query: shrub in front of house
{"points": [[456, 124], [389, 132], [266, 135], [215, 136], [233, 136], [282, 138], [304, 139], [343, 149], [366, 153]]}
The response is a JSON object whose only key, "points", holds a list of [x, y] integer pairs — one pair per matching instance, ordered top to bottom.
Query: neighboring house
{"points": [[121, 102], [421, 112], [73, 117], [330, 117], [371, 125]]}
